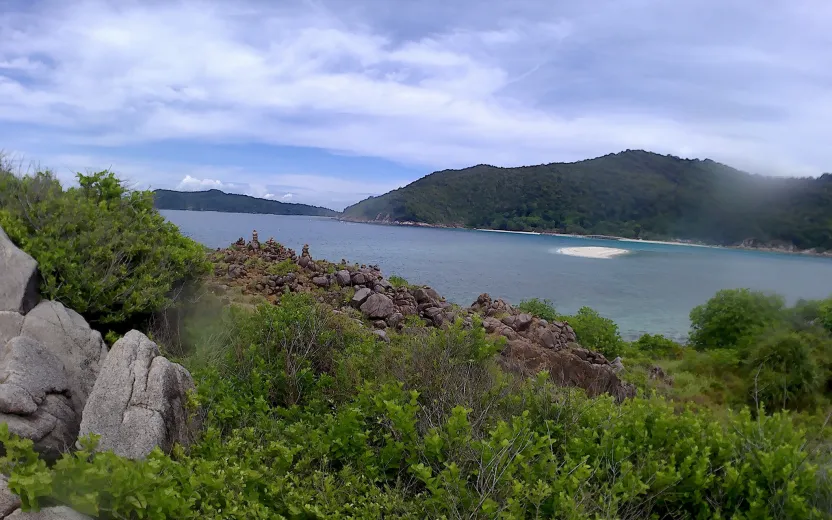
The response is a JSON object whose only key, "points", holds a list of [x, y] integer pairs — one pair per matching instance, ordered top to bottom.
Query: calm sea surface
{"points": [[651, 289]]}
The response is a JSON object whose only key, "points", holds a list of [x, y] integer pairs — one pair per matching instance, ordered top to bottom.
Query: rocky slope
{"points": [[532, 344], [58, 381]]}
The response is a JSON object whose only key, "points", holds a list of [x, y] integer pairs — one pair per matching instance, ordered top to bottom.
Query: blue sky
{"points": [[329, 101]]}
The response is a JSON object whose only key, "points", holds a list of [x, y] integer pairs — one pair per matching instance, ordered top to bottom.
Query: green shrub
{"points": [[102, 250], [282, 268], [398, 281], [543, 309], [825, 314], [732, 317], [596, 332], [658, 346], [781, 369]]}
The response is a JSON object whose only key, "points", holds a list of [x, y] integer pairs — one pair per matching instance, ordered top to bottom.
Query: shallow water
{"points": [[650, 289]]}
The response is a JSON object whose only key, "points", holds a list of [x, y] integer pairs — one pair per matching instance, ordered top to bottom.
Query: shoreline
{"points": [[680, 242]]}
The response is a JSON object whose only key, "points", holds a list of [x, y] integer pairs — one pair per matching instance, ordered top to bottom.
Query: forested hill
{"points": [[630, 194], [216, 200]]}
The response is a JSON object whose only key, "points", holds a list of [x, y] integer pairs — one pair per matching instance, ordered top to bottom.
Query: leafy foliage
{"points": [[630, 194], [216, 200], [102, 250], [543, 309], [733, 316], [596, 332], [307, 417]]}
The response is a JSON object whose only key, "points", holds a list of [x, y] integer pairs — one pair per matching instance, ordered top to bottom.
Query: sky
{"points": [[327, 102]]}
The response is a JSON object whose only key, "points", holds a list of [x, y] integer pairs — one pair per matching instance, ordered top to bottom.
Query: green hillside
{"points": [[631, 194], [216, 200]]}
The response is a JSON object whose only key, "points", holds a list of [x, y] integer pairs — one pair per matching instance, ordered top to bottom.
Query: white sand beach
{"points": [[592, 251]]}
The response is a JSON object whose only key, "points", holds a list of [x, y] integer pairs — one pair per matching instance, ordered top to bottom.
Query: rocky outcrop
{"points": [[18, 278], [378, 306], [66, 334], [533, 344], [49, 358], [35, 396], [139, 400]]}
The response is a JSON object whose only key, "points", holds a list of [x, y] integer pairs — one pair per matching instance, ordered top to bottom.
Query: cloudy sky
{"points": [[328, 101]]}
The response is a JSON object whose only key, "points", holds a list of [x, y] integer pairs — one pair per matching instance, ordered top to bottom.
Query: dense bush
{"points": [[102, 249], [543, 309], [733, 316], [596, 332], [782, 370], [306, 418]]}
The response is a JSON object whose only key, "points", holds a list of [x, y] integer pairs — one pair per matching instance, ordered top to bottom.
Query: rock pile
{"points": [[533, 344], [57, 379]]}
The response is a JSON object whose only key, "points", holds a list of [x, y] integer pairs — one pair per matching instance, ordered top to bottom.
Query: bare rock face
{"points": [[18, 278], [360, 296], [378, 306], [11, 323], [66, 334], [566, 367], [35, 397], [139, 400], [8, 500]]}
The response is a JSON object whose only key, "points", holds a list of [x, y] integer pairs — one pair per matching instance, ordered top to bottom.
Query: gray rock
{"points": [[235, 271], [342, 277], [359, 279], [19, 280], [321, 281], [426, 295], [360, 296], [378, 306], [432, 311], [394, 319], [523, 322], [11, 324], [67, 335], [382, 335], [617, 365], [35, 397], [139, 400], [8, 500], [50, 513]]}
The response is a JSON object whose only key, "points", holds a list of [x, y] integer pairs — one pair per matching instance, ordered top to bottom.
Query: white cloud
{"points": [[424, 85], [193, 184], [287, 197]]}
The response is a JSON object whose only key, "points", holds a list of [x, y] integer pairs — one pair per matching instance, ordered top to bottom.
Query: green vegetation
{"points": [[630, 194], [216, 200], [102, 250], [282, 268], [398, 281], [543, 309], [732, 316], [751, 349], [306, 414]]}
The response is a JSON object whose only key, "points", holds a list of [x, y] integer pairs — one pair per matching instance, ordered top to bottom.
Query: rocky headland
{"points": [[531, 344]]}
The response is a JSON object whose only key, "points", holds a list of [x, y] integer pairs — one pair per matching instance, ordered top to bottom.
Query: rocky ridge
{"points": [[532, 344], [58, 381]]}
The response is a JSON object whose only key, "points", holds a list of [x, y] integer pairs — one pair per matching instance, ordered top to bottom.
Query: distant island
{"points": [[632, 194], [216, 200]]}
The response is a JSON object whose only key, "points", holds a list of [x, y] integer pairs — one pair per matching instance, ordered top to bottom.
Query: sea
{"points": [[649, 289]]}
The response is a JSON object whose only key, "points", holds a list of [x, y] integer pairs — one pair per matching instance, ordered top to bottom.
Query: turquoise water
{"points": [[651, 289]]}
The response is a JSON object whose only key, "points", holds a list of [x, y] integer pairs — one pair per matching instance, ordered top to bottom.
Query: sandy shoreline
{"points": [[592, 251]]}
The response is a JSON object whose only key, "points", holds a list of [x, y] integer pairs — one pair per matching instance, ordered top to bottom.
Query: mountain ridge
{"points": [[633, 193], [218, 200]]}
